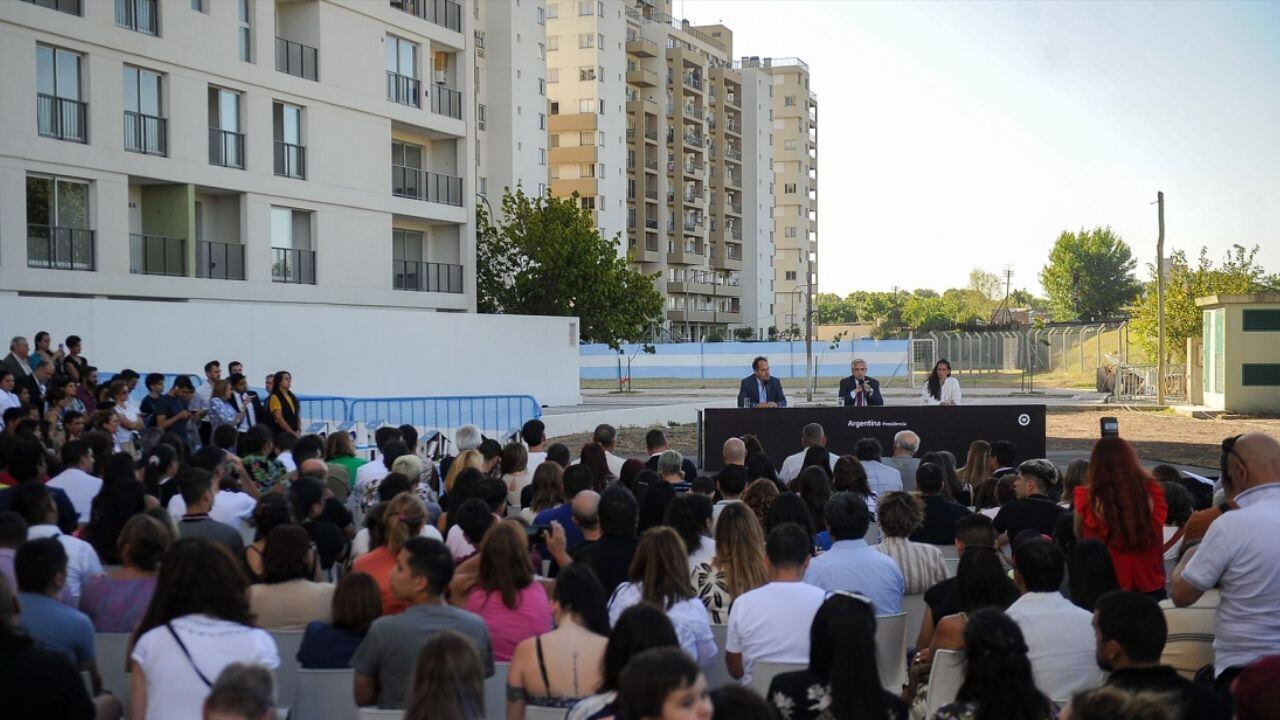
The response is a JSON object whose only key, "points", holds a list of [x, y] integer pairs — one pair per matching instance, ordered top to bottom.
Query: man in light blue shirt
{"points": [[851, 565], [41, 567]]}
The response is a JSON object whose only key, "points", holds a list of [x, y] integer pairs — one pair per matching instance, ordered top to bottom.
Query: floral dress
{"points": [[265, 471], [713, 590], [802, 695]]}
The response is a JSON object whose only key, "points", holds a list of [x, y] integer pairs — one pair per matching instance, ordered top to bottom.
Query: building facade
{"points": [[288, 151]]}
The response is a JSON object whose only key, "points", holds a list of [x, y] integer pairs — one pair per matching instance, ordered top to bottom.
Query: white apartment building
{"points": [[511, 98], [315, 152], [758, 305]]}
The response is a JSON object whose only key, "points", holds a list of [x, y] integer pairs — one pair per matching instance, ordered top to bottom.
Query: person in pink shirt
{"points": [[506, 595]]}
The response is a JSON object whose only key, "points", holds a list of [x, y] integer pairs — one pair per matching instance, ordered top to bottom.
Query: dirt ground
{"points": [[1157, 436]]}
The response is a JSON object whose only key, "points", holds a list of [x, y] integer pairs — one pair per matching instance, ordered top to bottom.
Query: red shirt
{"points": [[378, 564], [1139, 570]]}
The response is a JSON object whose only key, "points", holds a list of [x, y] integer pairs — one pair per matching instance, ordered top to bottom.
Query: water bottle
{"points": [[839, 401]]}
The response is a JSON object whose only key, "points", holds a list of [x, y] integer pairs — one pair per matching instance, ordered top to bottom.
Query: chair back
{"points": [[914, 606], [287, 644], [112, 651], [891, 651], [763, 672], [718, 673], [945, 677], [495, 692], [323, 695], [533, 712], [377, 714]]}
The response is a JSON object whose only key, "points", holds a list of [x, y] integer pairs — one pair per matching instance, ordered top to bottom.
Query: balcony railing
{"points": [[71, 7], [445, 13], [139, 15], [297, 59], [693, 81], [404, 89], [446, 101], [693, 111], [62, 118], [733, 126], [651, 133], [146, 134], [226, 148], [733, 153], [291, 160], [651, 163], [733, 180], [419, 184], [690, 196], [736, 208], [651, 223], [59, 248], [733, 252], [157, 255], [219, 260], [293, 266], [426, 276]]}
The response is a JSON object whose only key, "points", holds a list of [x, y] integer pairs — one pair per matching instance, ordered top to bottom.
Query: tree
{"points": [[548, 258], [1239, 274], [1089, 275], [744, 332]]}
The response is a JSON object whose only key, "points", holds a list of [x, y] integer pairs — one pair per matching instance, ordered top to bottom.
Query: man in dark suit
{"points": [[37, 385], [759, 389], [859, 390]]}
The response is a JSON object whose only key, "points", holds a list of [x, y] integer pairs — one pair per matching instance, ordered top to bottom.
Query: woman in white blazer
{"points": [[941, 388]]}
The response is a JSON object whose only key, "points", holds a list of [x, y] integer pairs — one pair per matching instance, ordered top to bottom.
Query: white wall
{"points": [[333, 350]]}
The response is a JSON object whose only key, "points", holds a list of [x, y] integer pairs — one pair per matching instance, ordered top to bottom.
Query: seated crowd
{"points": [[206, 525]]}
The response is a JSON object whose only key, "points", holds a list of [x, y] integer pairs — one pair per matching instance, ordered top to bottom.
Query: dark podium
{"points": [[941, 427]]}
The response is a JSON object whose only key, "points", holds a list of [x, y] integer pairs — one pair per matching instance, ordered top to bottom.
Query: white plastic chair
{"points": [[949, 551], [914, 606], [287, 645], [891, 651], [763, 672], [718, 673], [945, 677], [495, 692], [324, 695], [533, 712], [376, 714]]}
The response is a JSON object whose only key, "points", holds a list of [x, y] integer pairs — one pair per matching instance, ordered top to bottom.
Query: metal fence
{"points": [[1067, 348]]}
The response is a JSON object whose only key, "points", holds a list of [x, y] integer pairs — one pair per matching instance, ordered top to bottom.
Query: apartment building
{"points": [[511, 98], [271, 151], [795, 181]]}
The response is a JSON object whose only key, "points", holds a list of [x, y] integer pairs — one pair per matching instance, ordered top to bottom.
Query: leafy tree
{"points": [[548, 258], [1239, 274], [1089, 275], [834, 310], [743, 332]]}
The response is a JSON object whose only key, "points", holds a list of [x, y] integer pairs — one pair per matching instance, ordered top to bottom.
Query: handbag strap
{"points": [[182, 646]]}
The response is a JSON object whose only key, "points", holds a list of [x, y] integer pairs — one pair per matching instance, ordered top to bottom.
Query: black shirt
{"points": [[1034, 512], [940, 515], [328, 540], [609, 557], [943, 599], [40, 684], [806, 693], [1195, 701]]}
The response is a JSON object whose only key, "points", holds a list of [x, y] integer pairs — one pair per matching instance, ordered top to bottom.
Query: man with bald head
{"points": [[735, 452], [904, 460], [586, 514], [1238, 555]]}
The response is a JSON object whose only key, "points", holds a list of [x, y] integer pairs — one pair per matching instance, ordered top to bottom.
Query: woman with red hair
{"points": [[1124, 507]]}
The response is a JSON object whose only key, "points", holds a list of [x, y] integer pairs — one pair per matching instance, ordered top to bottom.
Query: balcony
{"points": [[70, 7], [445, 13], [138, 15], [641, 47], [297, 59], [642, 77], [693, 80], [404, 90], [732, 100], [446, 101], [692, 112], [62, 118], [733, 126], [146, 134], [651, 135], [692, 140], [226, 148], [733, 153], [290, 160], [651, 165], [693, 169], [733, 179], [419, 184], [651, 193], [691, 196], [651, 224], [692, 225], [53, 247], [157, 255], [219, 260], [293, 266], [426, 276], [699, 316]]}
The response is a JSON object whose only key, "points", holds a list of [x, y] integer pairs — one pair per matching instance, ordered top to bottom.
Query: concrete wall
{"points": [[1249, 348], [339, 350], [733, 359]]}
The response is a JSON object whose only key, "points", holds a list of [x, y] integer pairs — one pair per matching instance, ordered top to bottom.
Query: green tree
{"points": [[548, 258], [1239, 274], [1089, 275], [834, 310]]}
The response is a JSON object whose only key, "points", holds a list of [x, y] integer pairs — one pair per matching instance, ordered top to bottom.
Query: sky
{"points": [[962, 135]]}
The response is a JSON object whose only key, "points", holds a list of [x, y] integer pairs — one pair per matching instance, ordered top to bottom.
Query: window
{"points": [[200, 6], [70, 7], [584, 7], [599, 8], [553, 10], [139, 15], [542, 16], [243, 30], [586, 40], [600, 41], [553, 42], [542, 51], [587, 72], [600, 73], [553, 75], [403, 85], [542, 86], [789, 101], [586, 105], [555, 108], [59, 112], [480, 117], [542, 121], [144, 128], [587, 138], [226, 142], [789, 144], [290, 154], [542, 156], [483, 184], [788, 187], [542, 189], [588, 202], [789, 232], [58, 234], [408, 251], [293, 259], [791, 275]]}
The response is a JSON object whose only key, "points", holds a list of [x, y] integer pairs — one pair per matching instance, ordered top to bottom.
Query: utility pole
{"points": [[1160, 300], [808, 332]]}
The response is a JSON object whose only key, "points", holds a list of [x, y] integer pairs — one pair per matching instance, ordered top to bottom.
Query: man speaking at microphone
{"points": [[759, 389], [859, 390]]}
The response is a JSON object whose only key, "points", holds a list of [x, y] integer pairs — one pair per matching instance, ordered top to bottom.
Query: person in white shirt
{"points": [[941, 388], [8, 398], [534, 434], [812, 435], [607, 437], [376, 469], [880, 477], [75, 480], [731, 481], [33, 502], [772, 622], [1059, 635]]}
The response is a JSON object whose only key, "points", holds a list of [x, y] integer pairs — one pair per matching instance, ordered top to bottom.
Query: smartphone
{"points": [[1110, 427], [537, 532]]}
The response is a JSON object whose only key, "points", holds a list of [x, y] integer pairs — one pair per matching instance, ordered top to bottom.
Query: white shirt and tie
{"points": [[250, 415]]}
